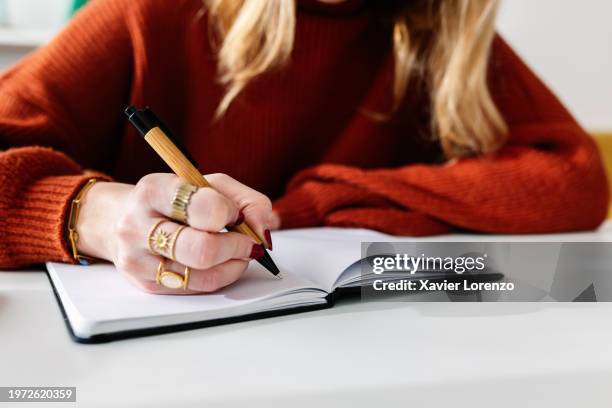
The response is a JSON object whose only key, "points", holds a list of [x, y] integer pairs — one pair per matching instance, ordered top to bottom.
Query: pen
{"points": [[169, 148]]}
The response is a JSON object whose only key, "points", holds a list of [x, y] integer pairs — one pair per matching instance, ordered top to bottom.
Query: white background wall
{"points": [[567, 42]]}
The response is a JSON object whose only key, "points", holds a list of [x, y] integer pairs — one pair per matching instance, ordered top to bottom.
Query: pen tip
{"points": [[267, 262]]}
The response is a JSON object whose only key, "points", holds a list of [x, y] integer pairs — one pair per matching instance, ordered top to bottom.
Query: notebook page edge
{"points": [[85, 326]]}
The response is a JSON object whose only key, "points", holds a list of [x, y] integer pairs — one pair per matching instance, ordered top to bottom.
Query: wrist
{"points": [[95, 225]]}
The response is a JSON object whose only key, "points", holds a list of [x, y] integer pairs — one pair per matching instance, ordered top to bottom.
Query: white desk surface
{"points": [[357, 354]]}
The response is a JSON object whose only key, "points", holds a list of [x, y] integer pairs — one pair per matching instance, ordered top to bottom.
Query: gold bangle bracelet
{"points": [[73, 218]]}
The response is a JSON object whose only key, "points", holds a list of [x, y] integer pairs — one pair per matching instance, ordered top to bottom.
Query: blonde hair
{"points": [[446, 43]]}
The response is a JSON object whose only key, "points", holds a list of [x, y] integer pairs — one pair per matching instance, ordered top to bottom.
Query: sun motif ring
{"points": [[158, 240], [161, 242]]}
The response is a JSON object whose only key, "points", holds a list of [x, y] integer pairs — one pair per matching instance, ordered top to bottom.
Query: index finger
{"points": [[256, 207]]}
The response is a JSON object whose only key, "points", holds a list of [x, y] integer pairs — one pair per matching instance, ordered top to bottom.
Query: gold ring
{"points": [[181, 200], [158, 241], [172, 244], [186, 276], [172, 280]]}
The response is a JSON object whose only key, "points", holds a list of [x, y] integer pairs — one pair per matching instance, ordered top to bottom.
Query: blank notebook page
{"points": [[97, 299]]}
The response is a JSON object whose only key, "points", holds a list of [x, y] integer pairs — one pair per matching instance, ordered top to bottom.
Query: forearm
{"points": [[551, 179]]}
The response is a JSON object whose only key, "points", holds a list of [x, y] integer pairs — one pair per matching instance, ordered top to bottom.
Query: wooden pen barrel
{"points": [[183, 168]]}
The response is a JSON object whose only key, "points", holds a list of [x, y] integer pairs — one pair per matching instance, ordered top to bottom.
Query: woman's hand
{"points": [[116, 219]]}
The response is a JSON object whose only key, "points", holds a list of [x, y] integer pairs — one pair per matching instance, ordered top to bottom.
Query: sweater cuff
{"points": [[309, 204], [297, 209], [36, 228]]}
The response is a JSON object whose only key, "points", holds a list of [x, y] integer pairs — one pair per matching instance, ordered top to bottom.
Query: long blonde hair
{"points": [[446, 43]]}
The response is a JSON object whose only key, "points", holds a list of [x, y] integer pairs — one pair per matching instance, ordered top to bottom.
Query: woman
{"points": [[409, 117]]}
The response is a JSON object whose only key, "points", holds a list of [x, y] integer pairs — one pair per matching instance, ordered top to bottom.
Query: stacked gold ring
{"points": [[181, 200], [158, 241], [173, 241], [161, 242]]}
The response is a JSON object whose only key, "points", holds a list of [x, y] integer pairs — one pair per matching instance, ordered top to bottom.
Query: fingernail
{"points": [[268, 237], [257, 252]]}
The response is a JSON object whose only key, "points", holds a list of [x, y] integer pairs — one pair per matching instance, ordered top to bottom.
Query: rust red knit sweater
{"points": [[297, 134]]}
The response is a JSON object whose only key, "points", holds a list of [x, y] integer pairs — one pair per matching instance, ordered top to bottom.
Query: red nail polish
{"points": [[268, 237], [257, 252]]}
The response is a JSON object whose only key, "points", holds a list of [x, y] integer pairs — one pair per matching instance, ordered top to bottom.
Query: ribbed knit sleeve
{"points": [[60, 112], [548, 178], [37, 184]]}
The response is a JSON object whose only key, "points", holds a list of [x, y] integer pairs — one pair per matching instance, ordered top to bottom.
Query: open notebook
{"points": [[101, 305]]}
